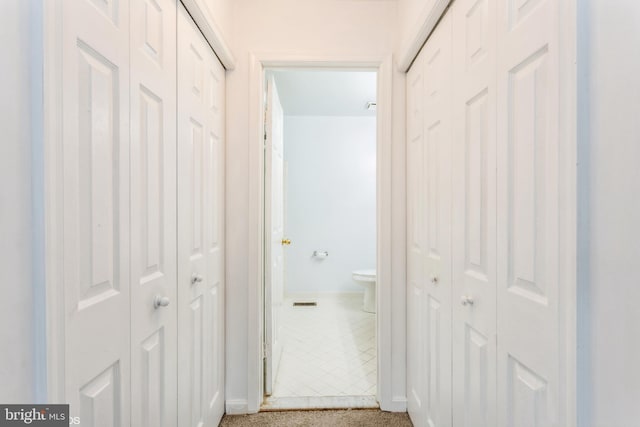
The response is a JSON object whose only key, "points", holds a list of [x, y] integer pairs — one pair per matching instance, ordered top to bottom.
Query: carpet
{"points": [[332, 418]]}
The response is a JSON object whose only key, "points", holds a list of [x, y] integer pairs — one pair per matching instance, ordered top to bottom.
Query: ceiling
{"points": [[326, 93]]}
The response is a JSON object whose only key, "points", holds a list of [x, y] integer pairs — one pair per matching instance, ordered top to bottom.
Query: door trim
{"points": [[205, 20], [383, 66], [51, 383]]}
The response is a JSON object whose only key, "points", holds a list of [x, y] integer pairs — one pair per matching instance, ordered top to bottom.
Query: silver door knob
{"points": [[196, 278], [435, 280], [466, 300], [160, 301]]}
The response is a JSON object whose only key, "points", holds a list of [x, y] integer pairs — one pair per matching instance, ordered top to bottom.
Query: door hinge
{"points": [[264, 350]]}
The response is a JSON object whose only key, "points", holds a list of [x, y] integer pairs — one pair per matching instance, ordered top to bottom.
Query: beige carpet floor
{"points": [[331, 418]]}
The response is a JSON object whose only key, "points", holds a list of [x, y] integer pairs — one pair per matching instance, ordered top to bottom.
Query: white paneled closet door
{"points": [[436, 178], [95, 210], [153, 214], [474, 214], [200, 228], [429, 249], [415, 250], [530, 363]]}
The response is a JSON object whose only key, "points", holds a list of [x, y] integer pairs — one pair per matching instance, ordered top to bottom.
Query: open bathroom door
{"points": [[274, 238]]}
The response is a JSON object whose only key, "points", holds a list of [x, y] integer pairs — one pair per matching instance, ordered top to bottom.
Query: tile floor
{"points": [[329, 350]]}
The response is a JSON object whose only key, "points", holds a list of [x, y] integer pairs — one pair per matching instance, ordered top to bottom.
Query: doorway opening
{"points": [[320, 225]]}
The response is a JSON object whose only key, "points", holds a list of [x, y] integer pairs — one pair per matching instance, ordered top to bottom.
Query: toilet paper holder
{"points": [[320, 254]]}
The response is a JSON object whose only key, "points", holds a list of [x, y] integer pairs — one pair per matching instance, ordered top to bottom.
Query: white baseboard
{"points": [[319, 295], [398, 404], [236, 407]]}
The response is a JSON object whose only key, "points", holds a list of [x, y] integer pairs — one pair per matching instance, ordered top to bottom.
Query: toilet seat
{"points": [[364, 275]]}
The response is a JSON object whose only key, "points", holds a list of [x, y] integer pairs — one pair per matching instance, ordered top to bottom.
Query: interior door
{"points": [[200, 174], [436, 178], [95, 210], [153, 213], [474, 214], [274, 226], [429, 236], [415, 248], [530, 346]]}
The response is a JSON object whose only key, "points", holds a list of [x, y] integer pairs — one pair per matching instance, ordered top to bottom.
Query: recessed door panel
{"points": [[153, 384], [100, 399]]}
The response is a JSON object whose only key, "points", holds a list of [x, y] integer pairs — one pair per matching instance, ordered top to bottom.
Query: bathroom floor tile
{"points": [[328, 350]]}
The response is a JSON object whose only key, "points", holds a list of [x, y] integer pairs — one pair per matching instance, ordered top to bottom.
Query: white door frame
{"points": [[383, 66]]}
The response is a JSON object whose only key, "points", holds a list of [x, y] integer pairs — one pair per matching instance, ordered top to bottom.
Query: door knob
{"points": [[286, 242], [196, 278], [435, 280], [466, 300], [160, 301]]}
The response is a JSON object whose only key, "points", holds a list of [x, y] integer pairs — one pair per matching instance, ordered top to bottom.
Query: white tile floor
{"points": [[329, 350]]}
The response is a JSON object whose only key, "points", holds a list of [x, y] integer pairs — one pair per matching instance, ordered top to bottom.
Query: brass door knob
{"points": [[286, 242]]}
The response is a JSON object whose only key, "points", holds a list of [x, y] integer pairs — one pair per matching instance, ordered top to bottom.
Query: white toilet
{"points": [[367, 278]]}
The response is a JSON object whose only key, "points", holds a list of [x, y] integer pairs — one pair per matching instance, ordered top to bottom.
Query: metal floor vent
{"points": [[305, 304]]}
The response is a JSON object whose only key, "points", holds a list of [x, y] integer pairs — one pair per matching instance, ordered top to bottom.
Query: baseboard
{"points": [[320, 295], [319, 403], [398, 404], [236, 407]]}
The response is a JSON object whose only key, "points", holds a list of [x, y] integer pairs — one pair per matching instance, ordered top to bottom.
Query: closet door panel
{"points": [[95, 210], [153, 213], [474, 214], [200, 228], [415, 250], [435, 304], [530, 368]]}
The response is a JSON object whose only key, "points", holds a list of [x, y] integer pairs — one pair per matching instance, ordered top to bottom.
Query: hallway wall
{"points": [[222, 13], [348, 29], [609, 235], [17, 324]]}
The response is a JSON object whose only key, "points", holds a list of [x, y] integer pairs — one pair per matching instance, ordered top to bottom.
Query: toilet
{"points": [[367, 278]]}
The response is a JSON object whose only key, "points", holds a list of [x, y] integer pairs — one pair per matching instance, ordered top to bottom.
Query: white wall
{"points": [[221, 12], [410, 16], [416, 20], [312, 27], [610, 164], [330, 201], [17, 361]]}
